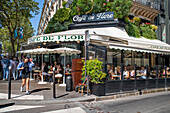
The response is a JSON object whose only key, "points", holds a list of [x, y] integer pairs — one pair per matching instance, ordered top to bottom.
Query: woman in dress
{"points": [[26, 67]]}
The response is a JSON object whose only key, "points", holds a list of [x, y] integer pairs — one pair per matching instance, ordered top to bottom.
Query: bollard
{"points": [[146, 76], [156, 76], [165, 76], [135, 78], [53, 82], [9, 84], [121, 85]]}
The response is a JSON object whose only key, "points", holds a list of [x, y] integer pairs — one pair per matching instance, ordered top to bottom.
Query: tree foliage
{"points": [[121, 8], [15, 13], [63, 17], [60, 21], [5, 36]]}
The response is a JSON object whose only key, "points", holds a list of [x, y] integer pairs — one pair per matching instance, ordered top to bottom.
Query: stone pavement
{"points": [[38, 91], [42, 94]]}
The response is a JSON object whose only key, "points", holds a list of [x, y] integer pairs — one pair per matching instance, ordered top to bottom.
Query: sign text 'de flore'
{"points": [[56, 38]]}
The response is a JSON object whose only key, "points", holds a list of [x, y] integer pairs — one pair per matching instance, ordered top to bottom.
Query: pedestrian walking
{"points": [[5, 65], [26, 67], [14, 69]]}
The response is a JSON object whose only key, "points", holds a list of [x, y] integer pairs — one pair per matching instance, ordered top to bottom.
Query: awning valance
{"points": [[78, 35], [143, 47]]}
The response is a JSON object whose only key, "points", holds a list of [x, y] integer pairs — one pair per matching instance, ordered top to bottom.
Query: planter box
{"points": [[98, 89]]}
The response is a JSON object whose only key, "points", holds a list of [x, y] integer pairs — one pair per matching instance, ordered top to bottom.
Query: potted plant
{"points": [[94, 70]]}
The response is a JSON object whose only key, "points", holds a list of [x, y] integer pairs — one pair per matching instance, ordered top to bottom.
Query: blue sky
{"points": [[35, 20]]}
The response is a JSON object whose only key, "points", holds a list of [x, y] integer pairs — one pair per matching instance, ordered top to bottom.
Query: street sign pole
{"points": [[86, 52]]}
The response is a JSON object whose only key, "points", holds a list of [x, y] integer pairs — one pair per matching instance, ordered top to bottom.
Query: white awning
{"points": [[78, 34], [104, 35], [143, 45]]}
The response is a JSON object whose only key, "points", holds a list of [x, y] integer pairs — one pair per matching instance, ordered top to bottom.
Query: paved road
{"points": [[150, 103]]}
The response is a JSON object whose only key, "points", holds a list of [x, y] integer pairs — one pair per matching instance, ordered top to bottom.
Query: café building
{"points": [[108, 41]]}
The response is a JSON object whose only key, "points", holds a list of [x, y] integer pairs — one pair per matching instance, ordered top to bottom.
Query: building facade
{"points": [[49, 9], [164, 22]]}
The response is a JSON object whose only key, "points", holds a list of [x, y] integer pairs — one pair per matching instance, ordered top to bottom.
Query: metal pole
{"points": [[85, 44], [64, 66], [42, 70], [31, 71], [146, 76], [156, 76], [165, 76], [135, 79], [53, 82], [9, 84], [121, 85]]}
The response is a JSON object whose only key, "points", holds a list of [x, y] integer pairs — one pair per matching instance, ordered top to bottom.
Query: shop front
{"points": [[110, 43]]}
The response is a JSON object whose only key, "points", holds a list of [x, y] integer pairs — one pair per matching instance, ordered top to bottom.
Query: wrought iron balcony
{"points": [[151, 3]]}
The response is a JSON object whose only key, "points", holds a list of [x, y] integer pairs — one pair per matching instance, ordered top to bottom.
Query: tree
{"points": [[15, 13], [4, 36]]}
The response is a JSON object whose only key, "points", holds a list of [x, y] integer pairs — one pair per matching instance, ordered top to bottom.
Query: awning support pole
{"points": [[86, 54], [64, 66]]}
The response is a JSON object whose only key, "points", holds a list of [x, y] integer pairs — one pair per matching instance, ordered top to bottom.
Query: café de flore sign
{"points": [[95, 17], [56, 38]]}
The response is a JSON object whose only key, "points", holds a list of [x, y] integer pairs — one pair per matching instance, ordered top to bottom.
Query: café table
{"points": [[36, 72], [50, 72], [67, 74], [115, 77], [42, 81]]}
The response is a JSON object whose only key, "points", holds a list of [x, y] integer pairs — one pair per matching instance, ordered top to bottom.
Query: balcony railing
{"points": [[151, 3]]}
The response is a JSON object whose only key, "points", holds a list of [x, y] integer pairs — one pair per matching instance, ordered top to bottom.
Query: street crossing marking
{"points": [[22, 97], [17, 107], [70, 110]]}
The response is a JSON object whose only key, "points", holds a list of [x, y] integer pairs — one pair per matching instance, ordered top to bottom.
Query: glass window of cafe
{"points": [[99, 52], [114, 57], [129, 58]]}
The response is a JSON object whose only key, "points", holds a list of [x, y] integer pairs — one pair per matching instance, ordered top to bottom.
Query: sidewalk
{"points": [[38, 91], [42, 94]]}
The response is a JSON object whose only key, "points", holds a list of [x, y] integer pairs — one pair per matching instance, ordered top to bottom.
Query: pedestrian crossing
{"points": [[22, 97], [17, 108], [24, 108], [70, 110]]}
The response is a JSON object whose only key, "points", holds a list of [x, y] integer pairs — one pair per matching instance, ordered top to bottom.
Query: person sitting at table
{"points": [[55, 63], [68, 68], [45, 70], [58, 71], [167, 71], [112, 72], [132, 72], [143, 72], [126, 73]]}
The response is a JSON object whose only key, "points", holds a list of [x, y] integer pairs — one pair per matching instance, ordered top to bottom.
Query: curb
{"points": [[87, 98]]}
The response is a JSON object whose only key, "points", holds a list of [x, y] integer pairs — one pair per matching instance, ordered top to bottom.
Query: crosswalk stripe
{"points": [[22, 97], [17, 107], [70, 110]]}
